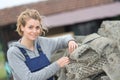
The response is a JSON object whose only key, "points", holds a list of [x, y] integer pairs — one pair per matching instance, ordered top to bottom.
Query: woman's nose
{"points": [[34, 30]]}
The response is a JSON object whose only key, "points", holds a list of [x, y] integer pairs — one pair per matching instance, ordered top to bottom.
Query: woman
{"points": [[29, 57]]}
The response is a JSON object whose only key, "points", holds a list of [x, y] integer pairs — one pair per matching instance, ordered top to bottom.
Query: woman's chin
{"points": [[33, 38]]}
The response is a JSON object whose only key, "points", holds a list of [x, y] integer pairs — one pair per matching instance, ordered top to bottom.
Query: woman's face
{"points": [[32, 29]]}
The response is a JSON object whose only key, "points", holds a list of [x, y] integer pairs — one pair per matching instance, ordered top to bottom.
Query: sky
{"points": [[11, 3]]}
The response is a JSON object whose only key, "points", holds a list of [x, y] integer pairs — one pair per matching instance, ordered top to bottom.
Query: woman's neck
{"points": [[27, 43]]}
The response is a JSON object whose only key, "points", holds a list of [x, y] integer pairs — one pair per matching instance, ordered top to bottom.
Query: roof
{"points": [[47, 8], [83, 15]]}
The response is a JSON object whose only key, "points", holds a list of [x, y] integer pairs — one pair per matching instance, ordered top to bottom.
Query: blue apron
{"points": [[36, 63]]}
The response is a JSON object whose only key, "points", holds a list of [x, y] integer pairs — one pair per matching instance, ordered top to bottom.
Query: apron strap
{"points": [[39, 48], [24, 53]]}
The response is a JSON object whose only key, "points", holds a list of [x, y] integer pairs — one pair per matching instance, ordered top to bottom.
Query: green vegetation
{"points": [[2, 69]]}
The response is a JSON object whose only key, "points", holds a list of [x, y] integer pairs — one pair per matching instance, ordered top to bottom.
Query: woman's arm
{"points": [[53, 44]]}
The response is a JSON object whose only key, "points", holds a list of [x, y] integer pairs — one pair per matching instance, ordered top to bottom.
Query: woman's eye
{"points": [[30, 27], [37, 27]]}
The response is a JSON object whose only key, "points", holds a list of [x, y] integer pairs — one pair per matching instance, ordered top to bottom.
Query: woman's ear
{"points": [[22, 28]]}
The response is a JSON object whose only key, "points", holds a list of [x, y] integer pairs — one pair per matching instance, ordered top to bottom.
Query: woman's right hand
{"points": [[63, 61]]}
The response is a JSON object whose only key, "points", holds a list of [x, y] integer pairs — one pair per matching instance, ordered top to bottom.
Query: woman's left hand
{"points": [[72, 45]]}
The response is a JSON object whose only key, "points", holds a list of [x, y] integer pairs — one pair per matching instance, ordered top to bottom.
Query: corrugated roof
{"points": [[50, 7], [83, 15]]}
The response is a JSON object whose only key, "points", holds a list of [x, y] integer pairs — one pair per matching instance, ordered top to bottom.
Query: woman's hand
{"points": [[72, 45], [63, 61]]}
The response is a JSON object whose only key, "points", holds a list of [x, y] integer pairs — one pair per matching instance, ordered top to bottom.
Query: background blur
{"points": [[75, 17]]}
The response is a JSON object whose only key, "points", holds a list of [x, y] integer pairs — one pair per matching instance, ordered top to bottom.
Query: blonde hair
{"points": [[27, 14]]}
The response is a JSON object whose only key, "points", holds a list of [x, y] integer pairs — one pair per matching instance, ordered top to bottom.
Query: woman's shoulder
{"points": [[44, 39], [12, 50]]}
